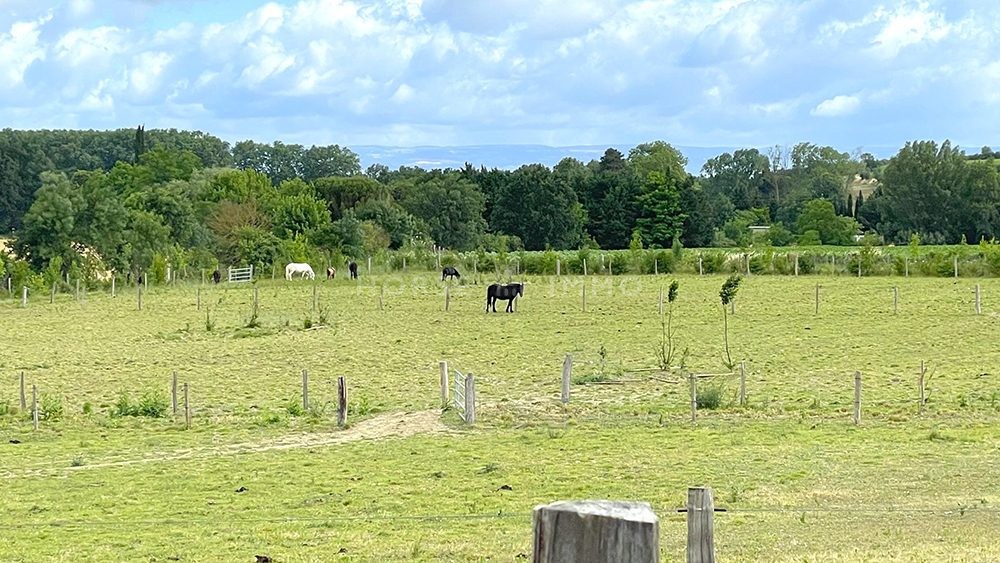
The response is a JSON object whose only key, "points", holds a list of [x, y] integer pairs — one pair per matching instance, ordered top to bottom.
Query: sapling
{"points": [[727, 295]]}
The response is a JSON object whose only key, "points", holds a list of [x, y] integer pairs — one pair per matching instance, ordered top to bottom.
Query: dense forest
{"points": [[126, 199]]}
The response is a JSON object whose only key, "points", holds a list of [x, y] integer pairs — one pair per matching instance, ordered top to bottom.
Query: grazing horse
{"points": [[353, 267], [298, 268], [450, 272], [331, 273], [216, 276], [506, 293]]}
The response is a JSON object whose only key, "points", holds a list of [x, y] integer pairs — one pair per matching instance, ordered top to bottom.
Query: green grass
{"points": [[799, 480]]}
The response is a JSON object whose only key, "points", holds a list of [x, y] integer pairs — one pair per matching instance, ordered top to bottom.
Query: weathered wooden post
{"points": [[748, 263], [370, 264], [796, 264], [859, 264], [956, 265], [584, 266], [656, 266], [906, 266], [558, 267], [701, 272], [274, 273], [168, 274], [139, 289], [113, 293], [197, 293], [52, 295], [24, 296], [447, 297], [585, 297], [315, 298], [817, 299], [256, 300], [895, 300], [979, 305], [567, 372], [444, 382], [743, 384], [920, 384], [305, 390], [173, 394], [694, 397], [857, 397], [470, 399], [341, 402], [24, 404], [34, 406], [187, 408], [700, 525], [595, 531]]}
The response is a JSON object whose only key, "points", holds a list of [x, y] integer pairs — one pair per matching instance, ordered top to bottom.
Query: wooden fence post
{"points": [[748, 263], [370, 264], [796, 264], [859, 264], [956, 265], [584, 266], [656, 266], [906, 266], [558, 267], [701, 272], [113, 286], [52, 295], [140, 296], [381, 296], [585, 296], [24, 297], [198, 297], [447, 297], [315, 298], [817, 299], [895, 300], [659, 302], [979, 305], [567, 372], [444, 382], [743, 384], [920, 384], [305, 390], [173, 394], [857, 397], [694, 398], [470, 399], [341, 402], [24, 404], [34, 406], [187, 407], [700, 526], [595, 531]]}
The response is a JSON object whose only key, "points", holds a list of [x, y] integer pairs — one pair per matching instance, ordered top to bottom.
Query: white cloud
{"points": [[908, 26], [84, 47], [19, 48], [270, 59], [146, 70], [403, 94], [837, 106]]}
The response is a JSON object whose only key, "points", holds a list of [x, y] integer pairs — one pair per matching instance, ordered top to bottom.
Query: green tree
{"points": [[450, 206], [535, 206], [820, 216], [49, 224]]}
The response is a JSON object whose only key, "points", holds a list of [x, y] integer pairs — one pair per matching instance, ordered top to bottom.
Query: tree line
{"points": [[131, 199]]}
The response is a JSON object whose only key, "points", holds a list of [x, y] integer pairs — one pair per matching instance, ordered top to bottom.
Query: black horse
{"points": [[353, 267], [450, 272], [216, 276], [506, 293]]}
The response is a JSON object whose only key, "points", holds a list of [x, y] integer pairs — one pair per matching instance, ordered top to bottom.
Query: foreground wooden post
{"points": [[370, 263], [796, 264], [956, 265], [584, 266], [656, 266], [906, 266], [558, 267], [701, 272], [112, 286], [447, 297], [585, 297], [817, 299], [895, 300], [979, 305], [567, 372], [444, 382], [743, 384], [920, 384], [305, 390], [173, 393], [857, 397], [694, 398], [470, 399], [341, 402], [24, 404], [34, 406], [187, 408], [700, 525], [595, 531]]}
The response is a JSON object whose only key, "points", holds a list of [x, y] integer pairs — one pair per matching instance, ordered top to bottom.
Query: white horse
{"points": [[297, 268]]}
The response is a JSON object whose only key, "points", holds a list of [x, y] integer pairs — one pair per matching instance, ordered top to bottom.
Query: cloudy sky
{"points": [[849, 73]]}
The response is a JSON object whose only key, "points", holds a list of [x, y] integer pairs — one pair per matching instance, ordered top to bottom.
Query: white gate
{"points": [[241, 274]]}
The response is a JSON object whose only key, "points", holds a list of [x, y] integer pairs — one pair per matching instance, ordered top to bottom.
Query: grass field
{"points": [[407, 482]]}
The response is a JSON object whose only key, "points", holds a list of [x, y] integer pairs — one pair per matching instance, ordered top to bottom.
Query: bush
{"points": [[710, 397], [150, 405], [51, 408]]}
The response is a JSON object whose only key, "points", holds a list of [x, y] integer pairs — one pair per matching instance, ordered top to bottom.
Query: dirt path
{"points": [[391, 425]]}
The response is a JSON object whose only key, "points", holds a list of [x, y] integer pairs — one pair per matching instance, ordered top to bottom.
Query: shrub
{"points": [[710, 397], [150, 405], [294, 407], [51, 408]]}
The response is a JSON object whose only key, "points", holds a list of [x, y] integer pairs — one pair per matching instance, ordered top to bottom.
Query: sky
{"points": [[853, 74]]}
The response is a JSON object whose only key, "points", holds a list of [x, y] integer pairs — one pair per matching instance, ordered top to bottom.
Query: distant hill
{"points": [[512, 156]]}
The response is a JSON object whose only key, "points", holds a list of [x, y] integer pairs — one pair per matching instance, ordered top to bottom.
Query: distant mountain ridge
{"points": [[510, 157]]}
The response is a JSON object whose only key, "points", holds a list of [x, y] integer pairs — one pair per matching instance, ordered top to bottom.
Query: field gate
{"points": [[241, 274], [464, 397]]}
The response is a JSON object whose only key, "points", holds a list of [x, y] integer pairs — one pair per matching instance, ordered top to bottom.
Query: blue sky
{"points": [[851, 74]]}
